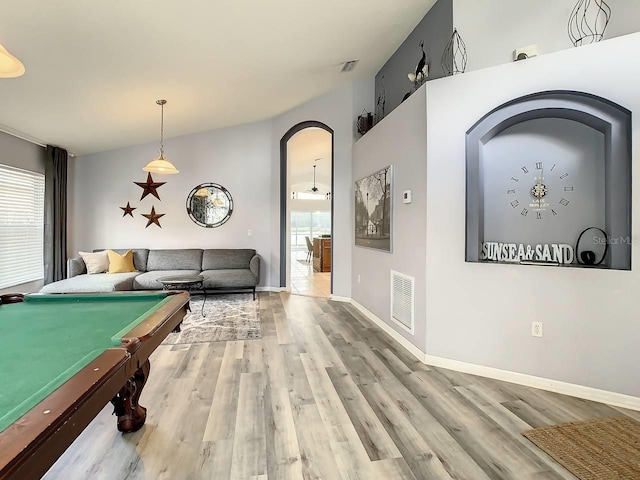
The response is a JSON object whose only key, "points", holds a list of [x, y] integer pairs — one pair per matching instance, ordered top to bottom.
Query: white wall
{"points": [[493, 29], [337, 109], [399, 140], [237, 158], [244, 159], [310, 205], [482, 313]]}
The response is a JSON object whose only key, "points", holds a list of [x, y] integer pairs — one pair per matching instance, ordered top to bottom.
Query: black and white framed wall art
{"points": [[374, 210]]}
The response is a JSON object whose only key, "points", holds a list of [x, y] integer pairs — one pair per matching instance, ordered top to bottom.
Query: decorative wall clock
{"points": [[538, 194]]}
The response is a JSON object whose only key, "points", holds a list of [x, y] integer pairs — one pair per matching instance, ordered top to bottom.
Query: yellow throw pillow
{"points": [[121, 263]]}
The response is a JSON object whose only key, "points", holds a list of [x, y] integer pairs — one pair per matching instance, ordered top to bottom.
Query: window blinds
{"points": [[21, 226]]}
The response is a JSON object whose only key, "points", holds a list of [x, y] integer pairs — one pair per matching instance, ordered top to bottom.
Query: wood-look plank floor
{"points": [[324, 394]]}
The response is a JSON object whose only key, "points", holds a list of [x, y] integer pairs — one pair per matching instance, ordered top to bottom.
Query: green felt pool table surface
{"points": [[47, 339], [50, 341]]}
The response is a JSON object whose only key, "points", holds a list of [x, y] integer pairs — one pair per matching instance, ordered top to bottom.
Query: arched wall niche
{"points": [[573, 146]]}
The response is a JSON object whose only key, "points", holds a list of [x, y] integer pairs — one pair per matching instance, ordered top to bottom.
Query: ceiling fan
{"points": [[314, 189], [312, 193]]}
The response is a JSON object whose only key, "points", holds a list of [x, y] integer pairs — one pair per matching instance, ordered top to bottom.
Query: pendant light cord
{"points": [[162, 131]]}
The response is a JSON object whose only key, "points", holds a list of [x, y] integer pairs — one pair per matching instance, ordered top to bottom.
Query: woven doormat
{"points": [[604, 449]]}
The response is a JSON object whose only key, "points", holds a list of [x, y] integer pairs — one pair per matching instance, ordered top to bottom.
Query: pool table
{"points": [[63, 357]]}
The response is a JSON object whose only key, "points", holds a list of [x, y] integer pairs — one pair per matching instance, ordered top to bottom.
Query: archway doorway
{"points": [[306, 209]]}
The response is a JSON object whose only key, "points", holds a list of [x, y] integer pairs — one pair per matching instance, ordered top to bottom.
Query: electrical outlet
{"points": [[249, 233], [358, 278], [536, 329]]}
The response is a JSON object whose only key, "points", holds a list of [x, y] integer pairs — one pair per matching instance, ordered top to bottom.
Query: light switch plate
{"points": [[406, 196]]}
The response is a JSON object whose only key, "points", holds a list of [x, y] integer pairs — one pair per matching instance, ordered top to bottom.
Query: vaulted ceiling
{"points": [[94, 69]]}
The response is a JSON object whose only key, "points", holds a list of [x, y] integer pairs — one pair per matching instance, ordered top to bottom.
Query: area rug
{"points": [[227, 317], [604, 449]]}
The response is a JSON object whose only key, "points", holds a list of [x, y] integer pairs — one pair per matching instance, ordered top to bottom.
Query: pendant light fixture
{"points": [[10, 66], [160, 165], [203, 192]]}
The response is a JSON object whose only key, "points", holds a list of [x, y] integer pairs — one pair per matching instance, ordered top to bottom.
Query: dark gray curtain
{"points": [[55, 214]]}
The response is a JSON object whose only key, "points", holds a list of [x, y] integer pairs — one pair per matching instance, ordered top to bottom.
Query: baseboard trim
{"points": [[270, 289], [337, 298], [415, 351], [580, 391]]}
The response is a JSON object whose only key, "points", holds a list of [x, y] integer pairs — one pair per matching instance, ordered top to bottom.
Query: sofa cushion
{"points": [[140, 256], [183, 259], [219, 259], [97, 262], [121, 263], [75, 266], [229, 278], [149, 280], [97, 282]]}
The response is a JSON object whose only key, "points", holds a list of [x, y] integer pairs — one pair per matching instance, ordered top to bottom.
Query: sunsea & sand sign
{"points": [[556, 253]]}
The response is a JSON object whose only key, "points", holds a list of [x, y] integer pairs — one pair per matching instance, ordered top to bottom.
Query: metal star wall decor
{"points": [[150, 187], [128, 210], [153, 217]]}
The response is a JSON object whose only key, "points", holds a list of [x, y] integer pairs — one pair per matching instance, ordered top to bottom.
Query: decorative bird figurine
{"points": [[422, 70], [381, 101]]}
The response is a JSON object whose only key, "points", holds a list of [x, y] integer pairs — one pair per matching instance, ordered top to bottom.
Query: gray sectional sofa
{"points": [[233, 269]]}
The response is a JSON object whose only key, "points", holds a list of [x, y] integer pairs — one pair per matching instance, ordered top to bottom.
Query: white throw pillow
{"points": [[96, 262]]}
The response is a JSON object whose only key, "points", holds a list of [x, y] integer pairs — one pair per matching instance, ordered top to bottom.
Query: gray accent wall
{"points": [[435, 29], [400, 141], [579, 151], [19, 153]]}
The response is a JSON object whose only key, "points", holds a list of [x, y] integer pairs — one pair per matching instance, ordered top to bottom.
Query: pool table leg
{"points": [[131, 415]]}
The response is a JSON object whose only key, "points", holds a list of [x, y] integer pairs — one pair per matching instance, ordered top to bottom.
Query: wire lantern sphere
{"points": [[588, 22], [454, 57]]}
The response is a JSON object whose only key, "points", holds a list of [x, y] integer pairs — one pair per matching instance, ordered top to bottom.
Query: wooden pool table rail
{"points": [[36, 440]]}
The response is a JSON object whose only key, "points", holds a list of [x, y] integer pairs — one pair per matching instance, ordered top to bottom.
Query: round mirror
{"points": [[209, 205]]}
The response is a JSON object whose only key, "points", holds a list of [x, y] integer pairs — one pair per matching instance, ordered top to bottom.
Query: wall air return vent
{"points": [[349, 66], [403, 300]]}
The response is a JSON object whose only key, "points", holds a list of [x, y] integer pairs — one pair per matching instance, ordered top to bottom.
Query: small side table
{"points": [[185, 282]]}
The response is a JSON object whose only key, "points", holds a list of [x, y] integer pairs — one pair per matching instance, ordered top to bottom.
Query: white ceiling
{"points": [[94, 69], [309, 147]]}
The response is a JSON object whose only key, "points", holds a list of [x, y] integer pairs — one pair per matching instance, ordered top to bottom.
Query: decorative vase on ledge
{"points": [[588, 21], [454, 57]]}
